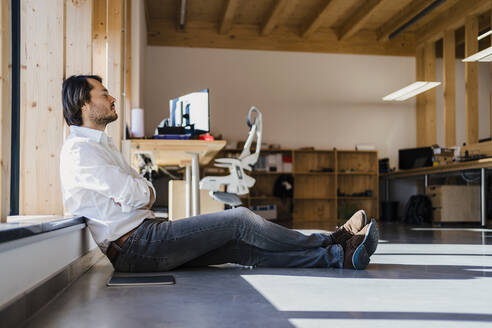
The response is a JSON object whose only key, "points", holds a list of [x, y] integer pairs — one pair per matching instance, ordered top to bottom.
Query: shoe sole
{"points": [[372, 238], [360, 259]]}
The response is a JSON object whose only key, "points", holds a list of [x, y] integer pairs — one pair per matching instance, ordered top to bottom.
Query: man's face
{"points": [[100, 110]]}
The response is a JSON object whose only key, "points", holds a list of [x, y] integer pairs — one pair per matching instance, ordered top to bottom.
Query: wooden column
{"points": [[78, 35], [99, 39], [78, 40], [449, 79], [471, 80], [114, 81], [430, 95], [420, 106], [5, 108], [41, 119]]}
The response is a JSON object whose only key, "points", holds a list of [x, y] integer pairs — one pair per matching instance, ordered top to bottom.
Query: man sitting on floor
{"points": [[99, 184]]}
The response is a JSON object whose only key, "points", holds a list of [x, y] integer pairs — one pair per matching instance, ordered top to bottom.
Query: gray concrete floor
{"points": [[419, 277]]}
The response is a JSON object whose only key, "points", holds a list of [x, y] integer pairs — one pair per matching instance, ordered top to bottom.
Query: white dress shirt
{"points": [[99, 184]]}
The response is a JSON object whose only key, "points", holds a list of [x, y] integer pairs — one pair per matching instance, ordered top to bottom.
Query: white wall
{"points": [[307, 99], [483, 102]]}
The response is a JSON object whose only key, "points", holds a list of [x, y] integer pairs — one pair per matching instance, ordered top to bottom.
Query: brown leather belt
{"points": [[112, 251]]}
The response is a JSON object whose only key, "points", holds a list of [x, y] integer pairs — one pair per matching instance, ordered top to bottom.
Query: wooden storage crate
{"points": [[455, 203]]}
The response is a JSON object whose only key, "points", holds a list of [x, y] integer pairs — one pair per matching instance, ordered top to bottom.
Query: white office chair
{"points": [[237, 182]]}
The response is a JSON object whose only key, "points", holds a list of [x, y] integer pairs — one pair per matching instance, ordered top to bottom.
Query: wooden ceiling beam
{"points": [[280, 10], [403, 16], [227, 19], [451, 19], [316, 22], [353, 23], [483, 23], [285, 38]]}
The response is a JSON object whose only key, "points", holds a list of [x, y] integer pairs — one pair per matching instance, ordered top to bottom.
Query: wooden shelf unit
{"points": [[325, 182]]}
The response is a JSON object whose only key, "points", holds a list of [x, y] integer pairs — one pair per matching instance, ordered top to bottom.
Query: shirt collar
{"points": [[92, 134]]}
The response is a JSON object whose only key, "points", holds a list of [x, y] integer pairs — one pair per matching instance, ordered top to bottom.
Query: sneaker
{"points": [[350, 228], [357, 249]]}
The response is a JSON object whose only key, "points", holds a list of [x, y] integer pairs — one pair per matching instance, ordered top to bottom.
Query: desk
{"points": [[186, 153], [481, 164]]}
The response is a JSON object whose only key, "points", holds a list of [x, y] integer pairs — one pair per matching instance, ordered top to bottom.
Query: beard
{"points": [[103, 118]]}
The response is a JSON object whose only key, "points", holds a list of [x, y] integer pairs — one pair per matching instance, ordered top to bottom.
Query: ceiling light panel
{"points": [[479, 55], [427, 86], [411, 90], [404, 91]]}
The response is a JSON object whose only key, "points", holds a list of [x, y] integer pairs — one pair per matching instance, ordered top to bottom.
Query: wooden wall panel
{"points": [[78, 37], [99, 39], [78, 41], [115, 59], [449, 79], [471, 80], [430, 96], [420, 106], [5, 108], [41, 121]]}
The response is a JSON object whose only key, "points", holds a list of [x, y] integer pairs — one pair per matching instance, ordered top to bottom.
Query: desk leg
{"points": [[195, 171], [426, 181], [387, 189], [188, 191], [483, 198]]}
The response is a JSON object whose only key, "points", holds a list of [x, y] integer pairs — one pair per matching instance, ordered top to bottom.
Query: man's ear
{"points": [[85, 107]]}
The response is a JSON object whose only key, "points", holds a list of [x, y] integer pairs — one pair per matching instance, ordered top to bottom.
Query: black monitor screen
{"points": [[414, 158]]}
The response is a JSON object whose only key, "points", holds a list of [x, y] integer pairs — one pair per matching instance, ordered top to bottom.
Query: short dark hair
{"points": [[75, 94]]}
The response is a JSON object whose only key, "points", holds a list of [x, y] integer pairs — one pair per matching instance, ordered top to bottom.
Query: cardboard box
{"points": [[177, 201], [455, 203]]}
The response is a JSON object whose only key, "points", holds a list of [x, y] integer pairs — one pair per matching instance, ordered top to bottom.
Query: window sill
{"points": [[21, 230]]}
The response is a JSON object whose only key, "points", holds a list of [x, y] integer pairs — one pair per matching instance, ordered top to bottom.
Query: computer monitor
{"points": [[191, 111], [412, 158]]}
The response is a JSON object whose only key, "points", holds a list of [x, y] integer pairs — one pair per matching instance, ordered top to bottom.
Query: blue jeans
{"points": [[232, 236]]}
